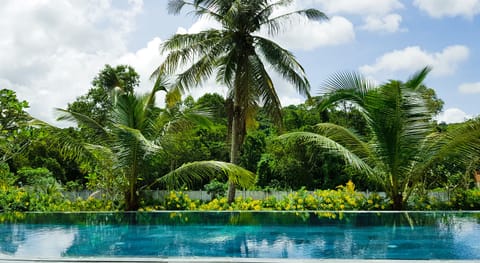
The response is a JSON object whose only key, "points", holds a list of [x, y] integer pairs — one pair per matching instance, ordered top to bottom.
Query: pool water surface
{"points": [[286, 235]]}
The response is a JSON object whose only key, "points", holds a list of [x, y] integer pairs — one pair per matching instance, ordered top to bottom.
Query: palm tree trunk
{"points": [[238, 121], [234, 149], [131, 199], [398, 203]]}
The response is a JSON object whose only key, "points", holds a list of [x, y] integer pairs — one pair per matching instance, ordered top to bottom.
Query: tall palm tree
{"points": [[238, 56], [138, 128], [402, 145]]}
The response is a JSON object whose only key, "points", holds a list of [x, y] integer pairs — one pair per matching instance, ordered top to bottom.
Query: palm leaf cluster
{"points": [[235, 53], [238, 57], [136, 129], [402, 146]]}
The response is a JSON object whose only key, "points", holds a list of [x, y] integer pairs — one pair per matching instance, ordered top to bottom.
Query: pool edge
{"points": [[216, 260]]}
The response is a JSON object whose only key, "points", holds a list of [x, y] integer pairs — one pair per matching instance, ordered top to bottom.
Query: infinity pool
{"points": [[306, 235]]}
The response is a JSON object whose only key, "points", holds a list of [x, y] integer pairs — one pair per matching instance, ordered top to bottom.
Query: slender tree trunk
{"points": [[238, 119], [234, 149], [396, 194], [131, 196], [131, 199], [398, 203]]}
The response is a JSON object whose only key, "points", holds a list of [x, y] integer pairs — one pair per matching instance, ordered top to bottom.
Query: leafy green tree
{"points": [[239, 57], [97, 103], [215, 104], [434, 104], [12, 113], [300, 117], [13, 119], [137, 129], [254, 146], [402, 146], [41, 153], [297, 166]]}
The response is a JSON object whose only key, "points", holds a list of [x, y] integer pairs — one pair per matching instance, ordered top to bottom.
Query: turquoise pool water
{"points": [[242, 235]]}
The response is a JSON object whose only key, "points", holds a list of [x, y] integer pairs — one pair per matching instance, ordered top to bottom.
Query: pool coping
{"points": [[215, 260]]}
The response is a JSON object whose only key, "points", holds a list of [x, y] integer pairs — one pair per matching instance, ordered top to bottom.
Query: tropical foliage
{"points": [[239, 57], [137, 129], [383, 137], [402, 147]]}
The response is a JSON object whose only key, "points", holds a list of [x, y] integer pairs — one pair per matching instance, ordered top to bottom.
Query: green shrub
{"points": [[7, 178], [216, 189], [14, 199], [465, 200], [179, 201], [376, 202]]}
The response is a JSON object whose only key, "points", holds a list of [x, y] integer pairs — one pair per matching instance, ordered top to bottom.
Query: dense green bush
{"points": [[216, 189], [343, 198], [14, 199], [17, 199], [24, 199], [464, 200], [179, 201]]}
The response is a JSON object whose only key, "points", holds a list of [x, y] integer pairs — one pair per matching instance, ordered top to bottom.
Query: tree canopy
{"points": [[238, 57]]}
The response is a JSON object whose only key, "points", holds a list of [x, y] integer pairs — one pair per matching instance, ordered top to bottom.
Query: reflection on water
{"points": [[254, 235], [35, 241]]}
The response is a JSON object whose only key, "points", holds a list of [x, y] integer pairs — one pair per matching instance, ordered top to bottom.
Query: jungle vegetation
{"points": [[383, 137]]}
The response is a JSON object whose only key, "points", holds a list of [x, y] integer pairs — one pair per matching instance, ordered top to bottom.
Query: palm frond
{"points": [[175, 6], [275, 24], [183, 49], [285, 63], [226, 69], [197, 73], [415, 81], [264, 86], [345, 86], [173, 97], [81, 119], [175, 120], [400, 124], [346, 138], [310, 139], [463, 141], [69, 148], [188, 173]]}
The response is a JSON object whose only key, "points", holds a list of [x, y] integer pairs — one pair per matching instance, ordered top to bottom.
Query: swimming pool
{"points": [[273, 235]]}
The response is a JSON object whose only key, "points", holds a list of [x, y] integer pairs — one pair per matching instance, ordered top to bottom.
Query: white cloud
{"points": [[358, 7], [449, 8], [378, 16], [202, 23], [389, 23], [300, 34], [313, 34], [51, 50], [414, 58], [147, 59], [144, 61], [469, 88], [453, 115]]}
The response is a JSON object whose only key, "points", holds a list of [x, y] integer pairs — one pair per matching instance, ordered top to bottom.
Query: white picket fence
{"points": [[204, 196]]}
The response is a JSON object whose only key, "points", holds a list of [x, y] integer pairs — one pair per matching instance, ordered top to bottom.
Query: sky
{"points": [[51, 50]]}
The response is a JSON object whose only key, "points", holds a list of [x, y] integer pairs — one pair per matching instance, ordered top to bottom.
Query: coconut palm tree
{"points": [[239, 58], [138, 128], [402, 145]]}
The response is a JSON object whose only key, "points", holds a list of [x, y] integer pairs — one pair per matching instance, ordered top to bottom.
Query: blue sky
{"points": [[51, 50]]}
